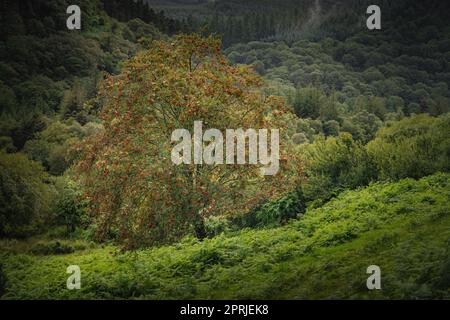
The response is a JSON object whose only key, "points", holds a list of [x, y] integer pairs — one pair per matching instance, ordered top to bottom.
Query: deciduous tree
{"points": [[130, 181]]}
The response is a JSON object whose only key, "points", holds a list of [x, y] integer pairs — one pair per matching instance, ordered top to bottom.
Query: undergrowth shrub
{"points": [[25, 196], [274, 213], [216, 225], [50, 248], [208, 257], [2, 280], [443, 282]]}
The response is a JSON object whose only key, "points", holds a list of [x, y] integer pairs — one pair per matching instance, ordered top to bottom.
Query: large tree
{"points": [[133, 187]]}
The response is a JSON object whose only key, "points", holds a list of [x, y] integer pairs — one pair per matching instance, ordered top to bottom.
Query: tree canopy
{"points": [[133, 186]]}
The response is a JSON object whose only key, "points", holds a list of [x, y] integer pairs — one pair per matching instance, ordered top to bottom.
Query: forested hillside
{"points": [[48, 70], [358, 83], [87, 119]]}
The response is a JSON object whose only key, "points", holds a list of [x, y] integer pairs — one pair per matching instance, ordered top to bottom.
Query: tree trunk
{"points": [[199, 226]]}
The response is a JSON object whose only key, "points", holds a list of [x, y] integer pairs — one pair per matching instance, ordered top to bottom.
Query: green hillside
{"points": [[88, 178], [403, 227]]}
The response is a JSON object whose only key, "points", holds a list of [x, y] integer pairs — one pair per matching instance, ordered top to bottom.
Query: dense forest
{"points": [[86, 118]]}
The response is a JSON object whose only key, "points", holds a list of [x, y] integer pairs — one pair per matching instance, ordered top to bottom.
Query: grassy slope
{"points": [[402, 227]]}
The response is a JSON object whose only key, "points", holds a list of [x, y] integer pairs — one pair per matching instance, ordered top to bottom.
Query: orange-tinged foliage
{"points": [[130, 180]]}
